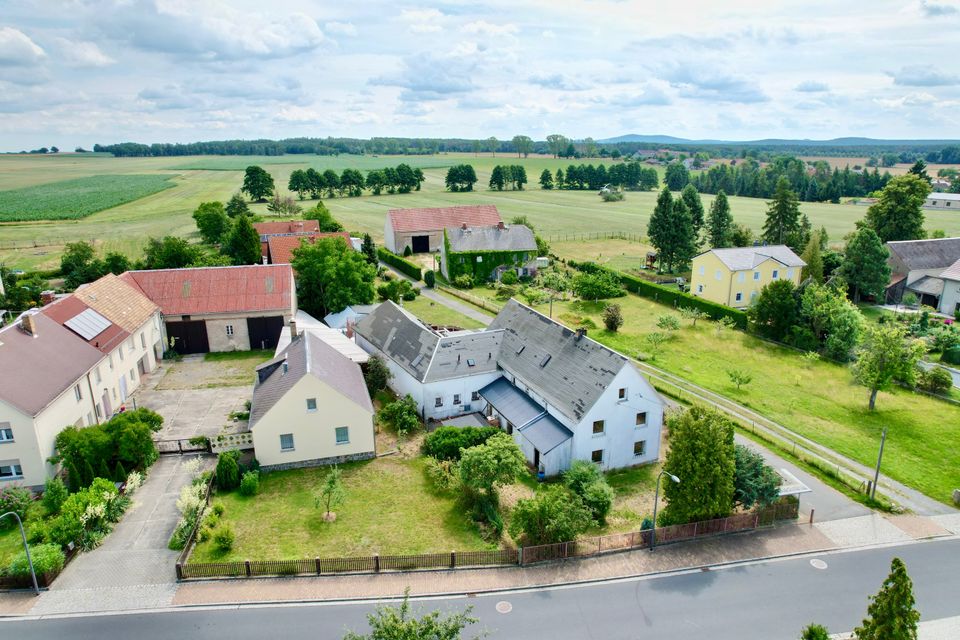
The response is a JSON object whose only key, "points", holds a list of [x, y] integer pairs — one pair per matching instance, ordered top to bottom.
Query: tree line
{"points": [[627, 175], [350, 182]]}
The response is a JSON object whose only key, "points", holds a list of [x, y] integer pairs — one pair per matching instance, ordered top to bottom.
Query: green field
{"points": [[77, 198], [126, 227]]}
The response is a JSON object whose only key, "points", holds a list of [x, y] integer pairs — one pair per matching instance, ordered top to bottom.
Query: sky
{"points": [[78, 72]]}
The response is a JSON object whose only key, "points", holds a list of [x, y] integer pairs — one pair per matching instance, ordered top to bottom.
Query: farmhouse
{"points": [[942, 201], [283, 228], [422, 229], [280, 247], [485, 253], [918, 267], [734, 277], [220, 308], [561, 395], [310, 407]]}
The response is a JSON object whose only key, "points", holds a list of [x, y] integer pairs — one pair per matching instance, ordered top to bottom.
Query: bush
{"points": [[612, 196], [407, 251], [403, 266], [509, 277], [430, 278], [463, 281], [410, 295], [612, 317], [668, 322], [951, 356], [936, 380], [445, 443], [228, 471], [442, 474], [250, 484], [598, 498], [16, 499], [218, 509], [553, 515], [223, 539], [47, 558]]}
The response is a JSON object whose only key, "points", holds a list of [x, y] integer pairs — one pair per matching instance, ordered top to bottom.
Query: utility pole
{"points": [[876, 475]]}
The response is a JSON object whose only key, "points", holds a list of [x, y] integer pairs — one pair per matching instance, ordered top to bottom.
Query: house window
{"points": [[702, 269], [775, 274], [717, 275], [756, 275], [742, 276], [699, 288], [753, 295], [739, 297], [229, 329], [143, 340], [130, 346], [120, 353], [110, 358], [96, 375], [132, 375], [77, 392], [114, 393], [622, 393], [475, 396], [456, 398], [438, 402], [311, 404], [642, 419], [90, 420], [597, 427], [6, 433], [343, 435], [286, 442], [639, 448], [597, 456], [11, 470]]}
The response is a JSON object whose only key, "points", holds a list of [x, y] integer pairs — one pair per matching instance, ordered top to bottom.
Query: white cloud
{"points": [[423, 20], [483, 27], [17, 49], [81, 54]]}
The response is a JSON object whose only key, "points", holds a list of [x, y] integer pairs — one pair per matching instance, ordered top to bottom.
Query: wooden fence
{"points": [[581, 548]]}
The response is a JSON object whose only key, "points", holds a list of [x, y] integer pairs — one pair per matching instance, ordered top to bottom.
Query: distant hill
{"points": [[836, 142]]}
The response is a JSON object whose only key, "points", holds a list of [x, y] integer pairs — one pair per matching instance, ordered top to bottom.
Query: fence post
{"points": [[811, 515], [520, 556], [453, 559], [317, 563], [376, 563], [246, 564], [179, 572]]}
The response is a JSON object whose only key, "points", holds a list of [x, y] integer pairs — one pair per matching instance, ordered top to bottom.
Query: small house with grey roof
{"points": [[487, 252], [918, 267], [735, 276], [559, 394], [310, 407]]}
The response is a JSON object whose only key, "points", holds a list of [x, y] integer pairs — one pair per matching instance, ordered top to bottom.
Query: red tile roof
{"points": [[476, 215], [286, 226], [281, 247], [217, 289], [69, 307]]}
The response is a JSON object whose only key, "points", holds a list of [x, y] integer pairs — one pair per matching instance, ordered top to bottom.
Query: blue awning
{"points": [[511, 403], [545, 433]]}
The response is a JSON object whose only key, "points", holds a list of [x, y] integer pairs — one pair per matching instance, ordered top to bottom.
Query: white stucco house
{"points": [[561, 395]]}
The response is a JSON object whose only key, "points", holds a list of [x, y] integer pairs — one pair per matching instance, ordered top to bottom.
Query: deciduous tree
{"points": [[523, 145], [677, 176], [257, 183], [898, 212], [212, 221], [171, 253], [864, 265], [331, 276], [775, 310], [886, 354], [497, 461], [332, 493], [553, 515], [398, 623]]}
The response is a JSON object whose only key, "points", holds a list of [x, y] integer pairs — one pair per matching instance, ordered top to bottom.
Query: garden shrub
{"points": [[407, 251], [509, 277], [430, 278], [463, 281], [505, 292], [410, 295], [951, 356], [936, 380], [445, 443], [228, 470], [442, 474], [585, 480], [134, 482], [250, 483], [16, 499], [191, 506], [218, 509], [553, 515], [85, 517], [38, 530], [223, 539], [47, 558]]}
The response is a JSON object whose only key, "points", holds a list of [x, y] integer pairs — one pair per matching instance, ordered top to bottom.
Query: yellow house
{"points": [[734, 277], [310, 407]]}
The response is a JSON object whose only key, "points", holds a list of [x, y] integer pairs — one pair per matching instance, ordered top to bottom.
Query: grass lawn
{"points": [[435, 313], [226, 369], [390, 509], [10, 541]]}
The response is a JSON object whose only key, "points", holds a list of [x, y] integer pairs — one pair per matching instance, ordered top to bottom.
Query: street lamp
{"points": [[656, 499], [26, 548]]}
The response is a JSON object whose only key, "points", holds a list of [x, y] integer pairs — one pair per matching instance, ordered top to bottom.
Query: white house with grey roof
{"points": [[486, 252], [561, 395], [310, 407]]}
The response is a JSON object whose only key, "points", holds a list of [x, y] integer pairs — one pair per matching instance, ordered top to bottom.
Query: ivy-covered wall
{"points": [[458, 263]]}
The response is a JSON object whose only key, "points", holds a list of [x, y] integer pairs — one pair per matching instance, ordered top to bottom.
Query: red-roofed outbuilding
{"points": [[422, 229]]}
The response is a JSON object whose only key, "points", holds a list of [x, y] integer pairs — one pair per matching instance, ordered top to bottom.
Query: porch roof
{"points": [[510, 402], [545, 433]]}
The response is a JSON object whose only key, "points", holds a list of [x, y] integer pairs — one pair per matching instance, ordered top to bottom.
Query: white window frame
{"points": [[756, 275], [739, 296], [229, 329], [143, 340], [96, 375], [78, 392], [622, 394], [475, 396], [456, 398], [438, 402], [637, 422], [603, 427], [6, 432], [336, 435], [292, 446], [600, 461], [15, 473]]}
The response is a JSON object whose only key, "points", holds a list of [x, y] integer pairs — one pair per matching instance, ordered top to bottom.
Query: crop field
{"points": [[78, 198], [126, 227]]}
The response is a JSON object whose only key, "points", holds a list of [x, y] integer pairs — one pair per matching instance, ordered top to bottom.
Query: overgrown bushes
{"points": [[403, 266], [936, 380], [446, 443], [586, 482], [250, 483], [16, 499], [86, 517], [47, 558]]}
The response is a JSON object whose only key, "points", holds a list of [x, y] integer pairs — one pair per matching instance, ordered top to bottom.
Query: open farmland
{"points": [[78, 198], [126, 227]]}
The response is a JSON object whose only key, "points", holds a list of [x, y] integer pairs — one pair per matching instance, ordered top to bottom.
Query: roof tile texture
{"points": [[435, 219], [281, 247]]}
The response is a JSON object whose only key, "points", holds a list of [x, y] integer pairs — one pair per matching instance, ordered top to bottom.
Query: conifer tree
{"points": [[691, 198], [783, 214], [719, 222], [243, 243], [814, 259], [865, 265], [892, 614]]}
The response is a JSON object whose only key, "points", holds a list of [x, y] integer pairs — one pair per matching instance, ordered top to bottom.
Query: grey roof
{"points": [[944, 196], [513, 237], [939, 253], [744, 258], [952, 272], [927, 284], [401, 336], [307, 355], [454, 355], [36, 369], [570, 373], [511, 403], [474, 419], [545, 433]]}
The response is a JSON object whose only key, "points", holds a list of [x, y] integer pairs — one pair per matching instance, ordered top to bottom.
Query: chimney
{"points": [[500, 225], [464, 226], [48, 296], [28, 325], [293, 328], [349, 330], [580, 333]]}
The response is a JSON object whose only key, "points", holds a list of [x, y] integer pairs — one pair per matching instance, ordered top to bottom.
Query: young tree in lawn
{"points": [[546, 180], [257, 183], [299, 183], [691, 198], [237, 206], [898, 212], [783, 214], [212, 221], [719, 229], [242, 243], [369, 249], [814, 259], [864, 265], [331, 276], [775, 310], [692, 314], [612, 317], [886, 354], [376, 374], [739, 377], [702, 456], [497, 461], [755, 482], [332, 493], [552, 515], [892, 613], [397, 623]]}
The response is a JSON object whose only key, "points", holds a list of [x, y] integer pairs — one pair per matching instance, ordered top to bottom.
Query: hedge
{"points": [[403, 266], [665, 295]]}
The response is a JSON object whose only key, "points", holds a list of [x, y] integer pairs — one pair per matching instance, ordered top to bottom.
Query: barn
{"points": [[422, 229], [220, 308]]}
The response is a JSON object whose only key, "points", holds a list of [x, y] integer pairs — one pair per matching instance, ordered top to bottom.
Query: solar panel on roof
{"points": [[87, 324]]}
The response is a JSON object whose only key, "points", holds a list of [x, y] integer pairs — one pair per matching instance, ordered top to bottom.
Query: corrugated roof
{"points": [[437, 218], [286, 226], [513, 237], [281, 247], [938, 253], [744, 258], [952, 272], [927, 284], [218, 289], [118, 301], [69, 307], [401, 336], [308, 355], [464, 355], [35, 370], [577, 371]]}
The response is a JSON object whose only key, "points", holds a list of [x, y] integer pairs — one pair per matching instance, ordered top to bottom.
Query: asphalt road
{"points": [[768, 600]]}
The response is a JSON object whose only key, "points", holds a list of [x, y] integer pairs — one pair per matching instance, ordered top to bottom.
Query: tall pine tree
{"points": [[691, 198], [783, 214], [719, 222], [243, 243], [814, 259], [892, 614]]}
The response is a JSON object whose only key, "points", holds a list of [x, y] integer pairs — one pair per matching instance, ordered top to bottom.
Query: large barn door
{"points": [[421, 244], [264, 332], [189, 337]]}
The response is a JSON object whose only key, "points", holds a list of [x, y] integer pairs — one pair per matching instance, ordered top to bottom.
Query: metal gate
{"points": [[264, 332]]}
